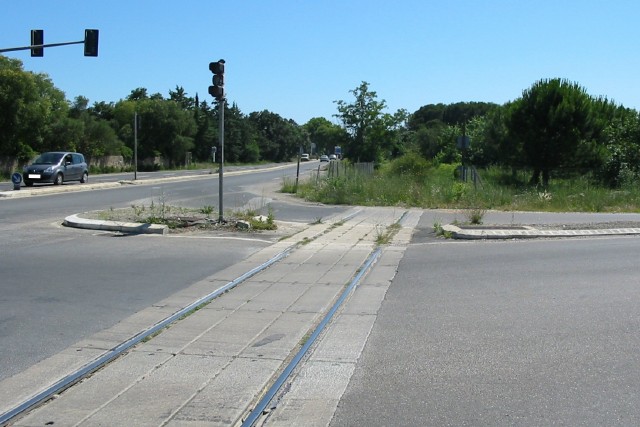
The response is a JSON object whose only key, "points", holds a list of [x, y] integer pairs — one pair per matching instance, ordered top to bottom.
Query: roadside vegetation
{"points": [[554, 148], [415, 182], [181, 218]]}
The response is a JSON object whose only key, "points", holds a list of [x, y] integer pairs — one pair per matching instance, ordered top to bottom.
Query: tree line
{"points": [[555, 128]]}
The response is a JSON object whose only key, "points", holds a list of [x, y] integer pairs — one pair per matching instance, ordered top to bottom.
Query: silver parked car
{"points": [[56, 167]]}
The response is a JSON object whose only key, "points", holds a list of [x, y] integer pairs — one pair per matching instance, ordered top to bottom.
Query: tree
{"points": [[138, 94], [180, 96], [31, 111], [451, 114], [549, 120], [363, 122], [324, 135], [372, 135], [279, 139], [621, 149]]}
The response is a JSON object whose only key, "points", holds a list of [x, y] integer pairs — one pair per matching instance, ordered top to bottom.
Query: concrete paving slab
{"points": [[301, 274], [340, 274], [238, 296], [278, 297], [318, 298], [365, 300], [179, 335], [231, 336], [281, 337], [345, 339], [20, 387], [314, 395], [154, 399], [82, 400], [224, 400], [303, 412]]}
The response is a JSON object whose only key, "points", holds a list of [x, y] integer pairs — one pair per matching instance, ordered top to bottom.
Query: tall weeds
{"points": [[420, 184]]}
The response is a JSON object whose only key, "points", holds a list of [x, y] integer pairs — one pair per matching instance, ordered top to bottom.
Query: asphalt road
{"points": [[60, 285], [540, 332]]}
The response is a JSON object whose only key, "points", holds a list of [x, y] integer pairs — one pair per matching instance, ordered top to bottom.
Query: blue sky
{"points": [[295, 58]]}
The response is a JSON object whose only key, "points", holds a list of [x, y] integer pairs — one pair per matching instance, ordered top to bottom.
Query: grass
{"points": [[436, 187], [385, 235]]}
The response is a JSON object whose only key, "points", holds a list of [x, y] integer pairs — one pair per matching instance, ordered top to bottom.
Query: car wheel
{"points": [[85, 178], [58, 179], [28, 183]]}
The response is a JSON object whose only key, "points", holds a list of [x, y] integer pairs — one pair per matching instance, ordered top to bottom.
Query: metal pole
{"points": [[39, 46], [135, 145], [298, 168], [221, 172]]}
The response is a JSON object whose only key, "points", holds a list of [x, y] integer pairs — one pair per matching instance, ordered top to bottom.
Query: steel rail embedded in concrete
{"points": [[252, 418]]}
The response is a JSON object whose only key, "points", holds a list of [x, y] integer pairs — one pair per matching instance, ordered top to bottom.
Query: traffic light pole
{"points": [[90, 43], [40, 46], [221, 172]]}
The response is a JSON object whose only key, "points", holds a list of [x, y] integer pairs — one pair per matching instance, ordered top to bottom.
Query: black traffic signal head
{"points": [[37, 39], [90, 42], [217, 90]]}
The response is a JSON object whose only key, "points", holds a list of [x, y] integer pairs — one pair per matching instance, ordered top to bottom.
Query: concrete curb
{"points": [[124, 227], [525, 232]]}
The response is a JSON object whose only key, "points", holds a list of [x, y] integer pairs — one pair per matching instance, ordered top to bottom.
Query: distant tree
{"points": [[138, 94], [180, 96], [451, 114], [550, 120], [366, 124], [165, 129], [206, 132], [325, 135], [240, 137], [279, 139]]}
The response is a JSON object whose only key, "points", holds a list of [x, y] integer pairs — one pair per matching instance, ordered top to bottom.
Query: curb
{"points": [[124, 227], [525, 232]]}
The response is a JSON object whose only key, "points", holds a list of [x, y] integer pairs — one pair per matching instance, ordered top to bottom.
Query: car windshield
{"points": [[48, 158]]}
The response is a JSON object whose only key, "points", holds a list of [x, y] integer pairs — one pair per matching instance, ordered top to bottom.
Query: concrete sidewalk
{"points": [[211, 367]]}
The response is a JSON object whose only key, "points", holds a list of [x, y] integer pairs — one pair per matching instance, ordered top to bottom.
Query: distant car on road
{"points": [[304, 157], [333, 157], [324, 158], [56, 167]]}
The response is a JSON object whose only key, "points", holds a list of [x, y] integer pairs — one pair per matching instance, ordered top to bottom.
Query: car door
{"points": [[70, 172]]}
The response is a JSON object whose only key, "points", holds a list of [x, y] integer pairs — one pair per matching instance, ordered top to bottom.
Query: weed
{"points": [[207, 209], [475, 215], [437, 227], [385, 236]]}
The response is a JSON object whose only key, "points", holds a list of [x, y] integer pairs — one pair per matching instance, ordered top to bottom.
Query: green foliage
{"points": [[437, 115], [549, 121], [372, 134], [325, 135], [279, 139], [410, 164], [438, 188], [207, 210]]}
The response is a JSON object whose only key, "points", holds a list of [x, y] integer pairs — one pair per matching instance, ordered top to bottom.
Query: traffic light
{"points": [[37, 39], [90, 42], [217, 90]]}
